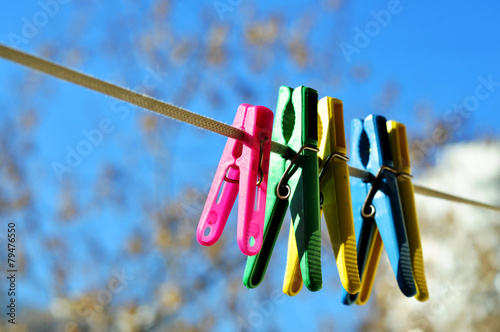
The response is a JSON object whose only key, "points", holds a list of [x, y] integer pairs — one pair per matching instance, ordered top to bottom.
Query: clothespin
{"points": [[400, 152], [243, 169], [293, 181], [336, 200], [378, 216]]}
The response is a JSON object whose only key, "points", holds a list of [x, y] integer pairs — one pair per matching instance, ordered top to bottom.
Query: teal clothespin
{"points": [[293, 182]]}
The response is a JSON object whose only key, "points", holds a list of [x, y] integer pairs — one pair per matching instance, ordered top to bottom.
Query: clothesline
{"points": [[184, 115]]}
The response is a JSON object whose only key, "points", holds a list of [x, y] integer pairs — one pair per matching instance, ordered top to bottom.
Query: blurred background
{"points": [[106, 240]]}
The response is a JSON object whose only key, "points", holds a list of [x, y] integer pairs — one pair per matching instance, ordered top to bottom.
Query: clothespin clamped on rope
{"points": [[401, 155], [243, 170], [293, 181], [335, 200], [378, 216]]}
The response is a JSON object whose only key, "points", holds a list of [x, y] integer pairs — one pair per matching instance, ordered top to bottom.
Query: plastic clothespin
{"points": [[400, 152], [243, 169], [293, 182], [336, 200], [378, 217]]}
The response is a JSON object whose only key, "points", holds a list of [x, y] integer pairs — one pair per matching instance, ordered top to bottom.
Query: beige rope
{"points": [[112, 90], [127, 95], [179, 113], [437, 194]]}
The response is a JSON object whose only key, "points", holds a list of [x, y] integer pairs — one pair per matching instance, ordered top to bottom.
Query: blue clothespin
{"points": [[377, 208]]}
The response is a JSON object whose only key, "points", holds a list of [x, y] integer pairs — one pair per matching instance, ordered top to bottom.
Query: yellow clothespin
{"points": [[399, 149], [336, 201], [374, 252], [293, 277]]}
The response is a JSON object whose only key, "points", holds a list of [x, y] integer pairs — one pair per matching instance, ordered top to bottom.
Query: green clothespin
{"points": [[295, 126]]}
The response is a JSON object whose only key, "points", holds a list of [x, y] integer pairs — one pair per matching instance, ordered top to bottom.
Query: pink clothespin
{"points": [[243, 169]]}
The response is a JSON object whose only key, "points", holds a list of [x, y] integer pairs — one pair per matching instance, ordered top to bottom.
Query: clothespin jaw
{"points": [[400, 151], [243, 169], [294, 181], [336, 199], [379, 206], [371, 265], [292, 284]]}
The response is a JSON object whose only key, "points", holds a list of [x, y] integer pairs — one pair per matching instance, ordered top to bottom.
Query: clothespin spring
{"points": [[331, 157], [261, 160], [323, 170], [285, 174], [375, 187]]}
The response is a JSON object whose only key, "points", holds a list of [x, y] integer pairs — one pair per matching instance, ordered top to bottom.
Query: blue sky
{"points": [[433, 52]]}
